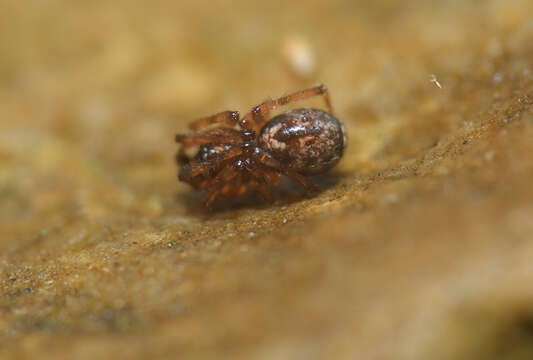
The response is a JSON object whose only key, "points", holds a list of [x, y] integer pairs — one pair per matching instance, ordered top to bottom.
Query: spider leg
{"points": [[257, 116], [228, 118], [214, 135], [211, 136], [189, 140], [181, 157], [267, 160], [270, 162], [271, 176], [261, 178], [302, 180], [221, 184], [240, 187], [264, 191], [210, 198]]}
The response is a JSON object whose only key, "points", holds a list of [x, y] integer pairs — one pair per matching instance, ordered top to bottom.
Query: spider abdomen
{"points": [[307, 141]]}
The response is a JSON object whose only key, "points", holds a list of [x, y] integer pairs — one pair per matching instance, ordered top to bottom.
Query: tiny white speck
{"points": [[434, 80]]}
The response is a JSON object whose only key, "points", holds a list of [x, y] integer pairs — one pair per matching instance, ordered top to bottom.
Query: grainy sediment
{"points": [[417, 247]]}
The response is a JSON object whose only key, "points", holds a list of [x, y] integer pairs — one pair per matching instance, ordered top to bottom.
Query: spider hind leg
{"points": [[258, 115]]}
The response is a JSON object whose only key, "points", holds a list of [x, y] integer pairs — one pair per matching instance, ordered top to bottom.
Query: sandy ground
{"points": [[419, 245]]}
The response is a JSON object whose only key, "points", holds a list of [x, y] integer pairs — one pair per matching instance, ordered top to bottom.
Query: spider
{"points": [[228, 155]]}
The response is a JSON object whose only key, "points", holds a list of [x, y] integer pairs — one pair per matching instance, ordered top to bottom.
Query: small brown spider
{"points": [[228, 162]]}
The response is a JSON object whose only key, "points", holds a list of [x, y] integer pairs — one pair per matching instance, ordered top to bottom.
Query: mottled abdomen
{"points": [[308, 141]]}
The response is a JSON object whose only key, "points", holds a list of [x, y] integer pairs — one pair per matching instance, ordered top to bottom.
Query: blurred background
{"points": [[418, 245]]}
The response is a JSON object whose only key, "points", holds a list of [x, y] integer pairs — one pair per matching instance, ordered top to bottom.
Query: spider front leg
{"points": [[257, 117], [228, 118], [219, 135]]}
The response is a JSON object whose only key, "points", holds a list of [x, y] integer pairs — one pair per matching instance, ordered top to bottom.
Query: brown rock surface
{"points": [[419, 246]]}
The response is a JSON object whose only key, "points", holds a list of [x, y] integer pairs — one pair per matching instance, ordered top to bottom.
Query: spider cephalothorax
{"points": [[229, 162]]}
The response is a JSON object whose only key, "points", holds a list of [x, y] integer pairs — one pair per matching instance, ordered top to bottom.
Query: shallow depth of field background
{"points": [[419, 245]]}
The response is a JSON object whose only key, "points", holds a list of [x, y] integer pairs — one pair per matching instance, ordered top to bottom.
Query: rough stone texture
{"points": [[419, 246]]}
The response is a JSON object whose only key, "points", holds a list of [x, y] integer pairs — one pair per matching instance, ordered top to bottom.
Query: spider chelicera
{"points": [[228, 155]]}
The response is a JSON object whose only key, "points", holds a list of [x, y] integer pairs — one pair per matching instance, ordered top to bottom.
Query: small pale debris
{"points": [[298, 53], [434, 80], [489, 155], [388, 199], [154, 205], [251, 233]]}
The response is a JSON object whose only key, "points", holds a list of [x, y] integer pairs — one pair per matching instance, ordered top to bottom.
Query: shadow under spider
{"points": [[286, 193]]}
